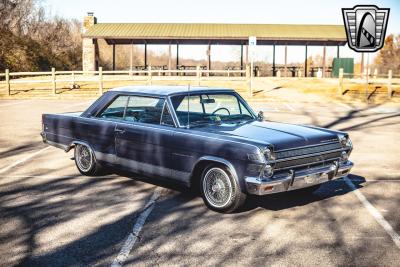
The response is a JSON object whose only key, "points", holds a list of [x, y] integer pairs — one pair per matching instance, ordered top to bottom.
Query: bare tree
{"points": [[32, 41], [389, 56]]}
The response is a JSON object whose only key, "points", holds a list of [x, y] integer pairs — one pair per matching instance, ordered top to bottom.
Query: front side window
{"points": [[210, 108], [144, 109]]}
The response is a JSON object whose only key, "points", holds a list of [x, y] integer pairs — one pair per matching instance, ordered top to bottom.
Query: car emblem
{"points": [[365, 27]]}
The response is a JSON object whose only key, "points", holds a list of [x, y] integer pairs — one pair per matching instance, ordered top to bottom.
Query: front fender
{"points": [[223, 161]]}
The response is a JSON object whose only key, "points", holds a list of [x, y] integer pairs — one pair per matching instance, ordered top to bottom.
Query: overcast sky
{"points": [[224, 11]]}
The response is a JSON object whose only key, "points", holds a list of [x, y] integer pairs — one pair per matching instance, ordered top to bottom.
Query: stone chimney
{"points": [[88, 21], [90, 48]]}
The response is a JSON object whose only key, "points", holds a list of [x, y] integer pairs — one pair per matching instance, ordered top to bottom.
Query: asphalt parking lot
{"points": [[51, 215]]}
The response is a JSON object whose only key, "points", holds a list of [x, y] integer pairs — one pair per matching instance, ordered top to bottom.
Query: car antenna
{"points": [[188, 119]]}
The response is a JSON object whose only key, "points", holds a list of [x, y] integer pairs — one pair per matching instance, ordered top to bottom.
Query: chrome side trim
{"points": [[58, 145], [66, 148]]}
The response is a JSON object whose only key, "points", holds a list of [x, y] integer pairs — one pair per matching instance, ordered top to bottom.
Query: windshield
{"points": [[210, 109]]}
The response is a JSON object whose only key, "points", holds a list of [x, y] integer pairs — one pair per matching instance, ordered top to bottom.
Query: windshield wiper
{"points": [[238, 120], [202, 123]]}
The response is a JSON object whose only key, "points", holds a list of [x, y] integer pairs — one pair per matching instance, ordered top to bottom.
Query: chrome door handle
{"points": [[121, 131]]}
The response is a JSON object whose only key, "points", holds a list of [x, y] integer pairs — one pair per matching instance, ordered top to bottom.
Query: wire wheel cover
{"points": [[84, 158], [217, 187]]}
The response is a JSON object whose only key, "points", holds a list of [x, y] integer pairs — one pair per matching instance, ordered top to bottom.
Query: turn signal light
{"points": [[268, 188]]}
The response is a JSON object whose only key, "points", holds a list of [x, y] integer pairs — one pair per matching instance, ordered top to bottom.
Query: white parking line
{"points": [[15, 103], [80, 104], [289, 106], [346, 106], [23, 160], [375, 213], [133, 236]]}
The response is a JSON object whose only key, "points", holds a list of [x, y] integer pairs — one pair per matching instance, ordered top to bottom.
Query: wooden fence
{"points": [[197, 75], [54, 77], [366, 79]]}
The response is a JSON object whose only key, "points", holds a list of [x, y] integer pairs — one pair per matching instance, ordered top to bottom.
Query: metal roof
{"points": [[217, 33], [165, 90]]}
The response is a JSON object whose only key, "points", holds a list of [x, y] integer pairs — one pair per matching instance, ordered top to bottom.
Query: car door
{"points": [[99, 131], [141, 141]]}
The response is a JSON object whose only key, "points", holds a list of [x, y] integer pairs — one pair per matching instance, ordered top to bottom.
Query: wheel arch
{"points": [[79, 142], [206, 160]]}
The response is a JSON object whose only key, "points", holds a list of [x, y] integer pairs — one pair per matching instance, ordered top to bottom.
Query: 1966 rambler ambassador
{"points": [[204, 138]]}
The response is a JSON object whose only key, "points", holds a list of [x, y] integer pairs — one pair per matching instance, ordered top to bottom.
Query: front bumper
{"points": [[297, 180]]}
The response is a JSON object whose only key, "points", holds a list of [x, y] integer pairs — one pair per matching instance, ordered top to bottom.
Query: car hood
{"points": [[280, 135]]}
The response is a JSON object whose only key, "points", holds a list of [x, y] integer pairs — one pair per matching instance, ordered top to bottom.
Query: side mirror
{"points": [[260, 116]]}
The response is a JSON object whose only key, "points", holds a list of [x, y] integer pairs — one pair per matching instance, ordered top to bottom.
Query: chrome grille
{"points": [[307, 150], [307, 161]]}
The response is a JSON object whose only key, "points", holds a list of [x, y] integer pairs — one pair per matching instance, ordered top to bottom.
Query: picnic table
{"points": [[189, 67], [233, 68]]}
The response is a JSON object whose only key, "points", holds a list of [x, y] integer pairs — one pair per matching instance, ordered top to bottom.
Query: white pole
{"points": [[251, 69], [53, 79], [366, 79], [8, 82]]}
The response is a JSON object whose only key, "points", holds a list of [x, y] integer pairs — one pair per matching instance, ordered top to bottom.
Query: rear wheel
{"points": [[85, 160], [220, 191]]}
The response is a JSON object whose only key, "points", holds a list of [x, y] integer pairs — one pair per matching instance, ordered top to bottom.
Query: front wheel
{"points": [[85, 161], [220, 191]]}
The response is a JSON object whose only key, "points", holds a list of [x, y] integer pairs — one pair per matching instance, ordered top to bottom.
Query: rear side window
{"points": [[116, 109], [166, 118]]}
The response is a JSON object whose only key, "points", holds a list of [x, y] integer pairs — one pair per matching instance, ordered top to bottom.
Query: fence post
{"points": [[149, 73], [198, 74], [53, 80], [73, 80], [100, 80], [340, 80], [8, 82], [366, 84], [389, 85]]}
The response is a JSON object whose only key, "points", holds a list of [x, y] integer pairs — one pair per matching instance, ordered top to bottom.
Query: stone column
{"points": [[90, 48]]}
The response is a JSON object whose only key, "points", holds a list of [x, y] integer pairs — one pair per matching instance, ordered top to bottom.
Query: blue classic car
{"points": [[205, 138]]}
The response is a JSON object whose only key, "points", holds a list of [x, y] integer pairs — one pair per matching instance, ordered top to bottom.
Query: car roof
{"points": [[167, 90]]}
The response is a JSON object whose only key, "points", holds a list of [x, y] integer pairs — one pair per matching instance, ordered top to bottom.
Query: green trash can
{"points": [[347, 64]]}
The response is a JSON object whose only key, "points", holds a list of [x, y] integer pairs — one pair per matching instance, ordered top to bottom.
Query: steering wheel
{"points": [[229, 113]]}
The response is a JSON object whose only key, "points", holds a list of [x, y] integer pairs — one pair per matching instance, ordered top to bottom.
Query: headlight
{"points": [[345, 141], [269, 155], [344, 157], [268, 171]]}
